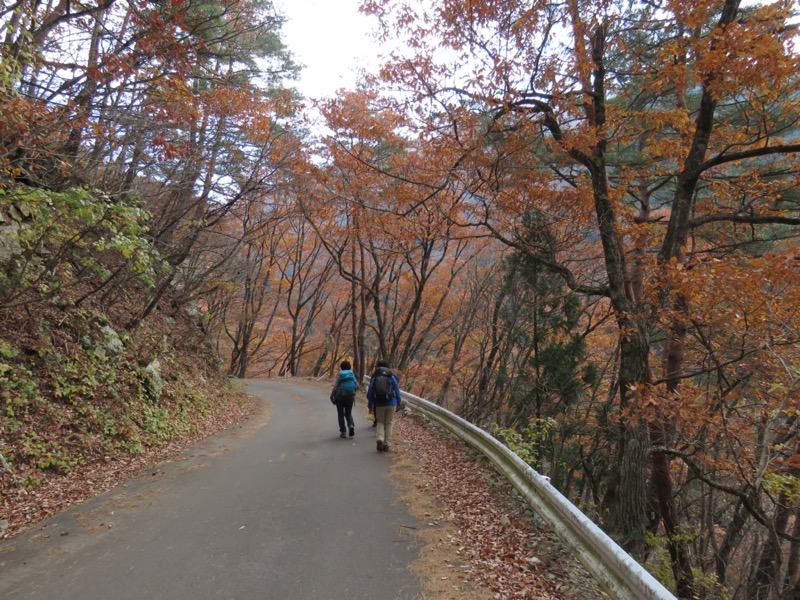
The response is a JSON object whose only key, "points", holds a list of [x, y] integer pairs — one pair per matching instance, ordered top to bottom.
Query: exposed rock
{"points": [[9, 241], [112, 344], [153, 383]]}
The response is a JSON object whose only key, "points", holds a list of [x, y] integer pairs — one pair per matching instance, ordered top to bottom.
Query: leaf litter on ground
{"points": [[481, 537], [479, 540]]}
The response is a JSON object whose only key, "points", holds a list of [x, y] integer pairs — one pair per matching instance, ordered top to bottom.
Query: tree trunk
{"points": [[83, 99], [672, 247], [358, 367], [634, 371], [662, 477], [664, 490], [631, 509], [733, 533], [770, 561], [791, 590]]}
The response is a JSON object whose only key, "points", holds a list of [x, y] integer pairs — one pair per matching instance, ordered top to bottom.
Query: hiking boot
{"points": [[352, 432], [343, 435], [380, 446], [386, 447]]}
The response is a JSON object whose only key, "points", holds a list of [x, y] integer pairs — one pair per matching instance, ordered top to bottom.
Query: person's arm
{"points": [[396, 388], [369, 393]]}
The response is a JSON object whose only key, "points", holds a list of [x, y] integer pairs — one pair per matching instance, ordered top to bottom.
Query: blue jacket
{"points": [[395, 400]]}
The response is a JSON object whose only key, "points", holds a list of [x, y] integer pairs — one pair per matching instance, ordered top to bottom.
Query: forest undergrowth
{"points": [[79, 414]]}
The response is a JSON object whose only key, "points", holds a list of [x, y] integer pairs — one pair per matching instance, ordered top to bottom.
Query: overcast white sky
{"points": [[332, 39]]}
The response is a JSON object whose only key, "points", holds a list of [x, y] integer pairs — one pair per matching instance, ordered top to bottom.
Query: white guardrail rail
{"points": [[613, 568]]}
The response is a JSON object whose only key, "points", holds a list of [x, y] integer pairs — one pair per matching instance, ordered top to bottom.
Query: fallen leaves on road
{"points": [[55, 493], [483, 542], [500, 543]]}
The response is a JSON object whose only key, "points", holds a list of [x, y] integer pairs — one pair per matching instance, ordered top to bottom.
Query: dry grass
{"points": [[441, 577]]}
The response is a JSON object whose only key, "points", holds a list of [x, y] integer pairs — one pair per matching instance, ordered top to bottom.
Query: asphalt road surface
{"points": [[278, 508]]}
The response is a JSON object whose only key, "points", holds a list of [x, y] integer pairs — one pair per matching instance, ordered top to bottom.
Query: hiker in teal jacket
{"points": [[343, 396]]}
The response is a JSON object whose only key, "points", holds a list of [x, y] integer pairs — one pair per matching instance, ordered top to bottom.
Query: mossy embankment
{"points": [[85, 403]]}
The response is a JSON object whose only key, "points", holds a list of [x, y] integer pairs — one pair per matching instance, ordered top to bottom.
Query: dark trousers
{"points": [[344, 412]]}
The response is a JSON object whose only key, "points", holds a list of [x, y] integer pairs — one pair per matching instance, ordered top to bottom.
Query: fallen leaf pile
{"points": [[499, 538]]}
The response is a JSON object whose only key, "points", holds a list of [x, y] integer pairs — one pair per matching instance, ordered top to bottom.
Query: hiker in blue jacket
{"points": [[343, 396], [383, 399]]}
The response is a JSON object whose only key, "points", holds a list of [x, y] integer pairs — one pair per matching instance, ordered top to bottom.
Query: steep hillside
{"points": [[84, 403]]}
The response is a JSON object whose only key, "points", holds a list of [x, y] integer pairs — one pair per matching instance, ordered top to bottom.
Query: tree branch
{"points": [[722, 159], [748, 219]]}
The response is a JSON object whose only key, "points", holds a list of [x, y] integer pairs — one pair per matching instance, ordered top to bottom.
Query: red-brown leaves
{"points": [[496, 536]]}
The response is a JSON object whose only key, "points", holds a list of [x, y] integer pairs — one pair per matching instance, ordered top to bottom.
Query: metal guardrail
{"points": [[613, 568]]}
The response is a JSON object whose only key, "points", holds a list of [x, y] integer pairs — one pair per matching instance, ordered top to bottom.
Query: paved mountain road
{"points": [[279, 508]]}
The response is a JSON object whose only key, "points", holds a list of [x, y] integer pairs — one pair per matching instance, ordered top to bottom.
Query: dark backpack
{"points": [[382, 389]]}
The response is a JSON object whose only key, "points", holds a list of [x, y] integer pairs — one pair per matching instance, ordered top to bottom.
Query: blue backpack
{"points": [[346, 385]]}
